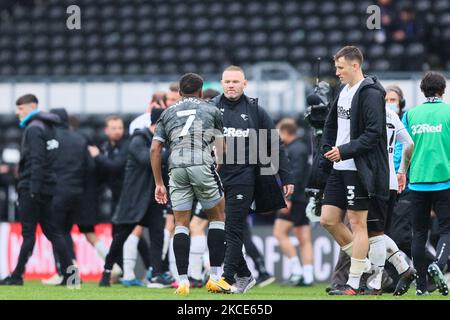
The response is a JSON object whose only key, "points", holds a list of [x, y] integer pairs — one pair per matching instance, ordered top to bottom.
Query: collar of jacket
{"points": [[367, 82], [232, 104], [23, 123]]}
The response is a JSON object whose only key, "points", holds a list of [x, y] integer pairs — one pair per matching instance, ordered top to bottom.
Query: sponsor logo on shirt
{"points": [[343, 113], [244, 116], [426, 128], [233, 132]]}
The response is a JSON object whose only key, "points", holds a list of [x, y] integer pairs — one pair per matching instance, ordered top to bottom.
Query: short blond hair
{"points": [[235, 68]]}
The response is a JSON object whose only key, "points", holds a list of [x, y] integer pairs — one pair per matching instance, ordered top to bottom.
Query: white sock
{"points": [[166, 243], [198, 248], [102, 249], [348, 249], [130, 253], [377, 256], [395, 256], [206, 263], [172, 264], [295, 266], [357, 268], [216, 273], [308, 273], [183, 278]]}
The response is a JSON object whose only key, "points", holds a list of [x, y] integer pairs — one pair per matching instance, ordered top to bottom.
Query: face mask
{"points": [[393, 106]]}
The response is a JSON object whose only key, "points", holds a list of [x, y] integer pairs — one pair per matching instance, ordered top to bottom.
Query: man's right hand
{"points": [[94, 151], [161, 194], [287, 210]]}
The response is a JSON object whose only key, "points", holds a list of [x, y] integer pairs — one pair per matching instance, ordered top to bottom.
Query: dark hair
{"points": [[350, 53], [191, 83], [433, 84], [395, 89], [210, 93], [28, 98], [62, 114], [112, 118]]}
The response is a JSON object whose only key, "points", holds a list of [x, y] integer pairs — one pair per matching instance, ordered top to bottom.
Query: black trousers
{"points": [[238, 199], [421, 205], [65, 208], [31, 213], [154, 221], [400, 229], [252, 250]]}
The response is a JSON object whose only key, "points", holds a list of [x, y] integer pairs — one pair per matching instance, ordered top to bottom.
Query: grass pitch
{"points": [[34, 290]]}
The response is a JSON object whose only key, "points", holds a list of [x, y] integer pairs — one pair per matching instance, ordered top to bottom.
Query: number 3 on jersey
{"points": [[191, 117]]}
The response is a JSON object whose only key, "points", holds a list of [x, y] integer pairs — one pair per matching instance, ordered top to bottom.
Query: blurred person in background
{"points": [[408, 27], [143, 121], [71, 170], [429, 179], [37, 185], [136, 206], [294, 216]]}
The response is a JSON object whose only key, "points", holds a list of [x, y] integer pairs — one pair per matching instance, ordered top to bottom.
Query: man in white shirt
{"points": [[355, 141]]}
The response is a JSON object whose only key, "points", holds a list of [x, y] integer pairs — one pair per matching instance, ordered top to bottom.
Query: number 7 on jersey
{"points": [[191, 117]]}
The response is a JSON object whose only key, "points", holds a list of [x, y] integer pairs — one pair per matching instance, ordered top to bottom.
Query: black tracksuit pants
{"points": [[238, 199], [422, 203], [65, 208], [31, 213], [154, 221], [252, 251]]}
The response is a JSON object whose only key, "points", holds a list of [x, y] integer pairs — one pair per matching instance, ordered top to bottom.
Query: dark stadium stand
{"points": [[159, 37]]}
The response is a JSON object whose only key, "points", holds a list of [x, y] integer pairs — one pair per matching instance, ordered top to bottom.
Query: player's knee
{"points": [[328, 222], [357, 223], [279, 234]]}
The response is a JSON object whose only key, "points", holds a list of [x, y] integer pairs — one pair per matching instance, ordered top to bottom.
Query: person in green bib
{"points": [[429, 126]]}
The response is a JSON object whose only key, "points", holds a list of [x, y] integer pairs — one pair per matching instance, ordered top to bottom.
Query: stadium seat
{"points": [[153, 34]]}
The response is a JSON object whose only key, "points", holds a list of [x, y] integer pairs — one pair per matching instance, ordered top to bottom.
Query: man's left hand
{"points": [[333, 155]]}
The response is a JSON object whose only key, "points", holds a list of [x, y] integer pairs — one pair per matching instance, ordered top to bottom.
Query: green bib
{"points": [[429, 127]]}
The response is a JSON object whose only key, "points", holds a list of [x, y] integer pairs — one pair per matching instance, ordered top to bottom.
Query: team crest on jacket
{"points": [[52, 144]]}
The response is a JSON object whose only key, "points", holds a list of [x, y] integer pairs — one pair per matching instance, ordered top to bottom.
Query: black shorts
{"points": [[345, 190], [380, 213], [297, 215]]}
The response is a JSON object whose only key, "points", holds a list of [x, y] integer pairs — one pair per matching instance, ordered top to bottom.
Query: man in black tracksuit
{"points": [[240, 114], [112, 157], [71, 172], [36, 186], [136, 205]]}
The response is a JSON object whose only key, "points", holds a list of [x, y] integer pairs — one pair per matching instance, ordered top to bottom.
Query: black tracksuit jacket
{"points": [[238, 116], [368, 139], [39, 151]]}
